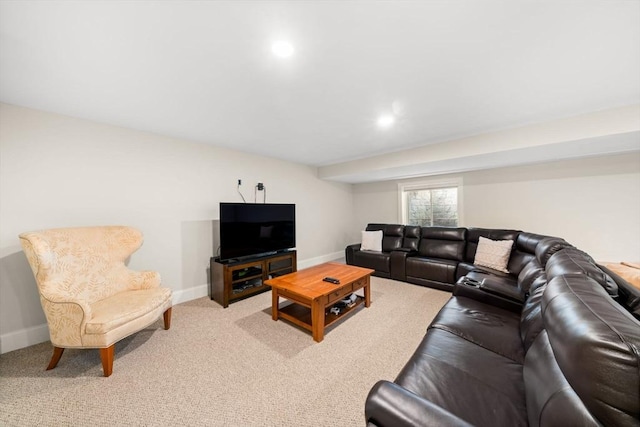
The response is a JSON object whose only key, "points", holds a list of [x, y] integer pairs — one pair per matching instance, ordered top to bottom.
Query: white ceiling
{"points": [[203, 71]]}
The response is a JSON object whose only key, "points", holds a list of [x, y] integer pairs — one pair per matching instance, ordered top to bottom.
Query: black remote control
{"points": [[332, 280]]}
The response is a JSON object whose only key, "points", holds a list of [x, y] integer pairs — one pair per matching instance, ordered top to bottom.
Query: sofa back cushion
{"points": [[391, 235], [411, 238], [442, 242], [546, 248], [524, 251], [574, 261], [530, 274], [596, 345]]}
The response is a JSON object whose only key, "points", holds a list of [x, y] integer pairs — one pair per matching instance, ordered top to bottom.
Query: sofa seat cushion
{"points": [[378, 261], [436, 269], [125, 308], [487, 326], [475, 384]]}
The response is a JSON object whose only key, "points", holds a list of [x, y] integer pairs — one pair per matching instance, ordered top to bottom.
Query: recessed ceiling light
{"points": [[282, 49], [386, 121]]}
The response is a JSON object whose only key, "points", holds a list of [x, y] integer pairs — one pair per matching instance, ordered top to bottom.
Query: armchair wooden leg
{"points": [[167, 318], [57, 354], [106, 355]]}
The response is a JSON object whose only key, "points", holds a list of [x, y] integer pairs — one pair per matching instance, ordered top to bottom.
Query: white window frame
{"points": [[430, 184]]}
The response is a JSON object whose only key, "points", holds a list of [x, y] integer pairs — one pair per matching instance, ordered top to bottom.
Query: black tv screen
{"points": [[248, 229]]}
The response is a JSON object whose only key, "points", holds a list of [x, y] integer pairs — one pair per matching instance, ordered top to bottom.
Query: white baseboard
{"points": [[335, 256], [195, 292], [37, 334], [24, 338]]}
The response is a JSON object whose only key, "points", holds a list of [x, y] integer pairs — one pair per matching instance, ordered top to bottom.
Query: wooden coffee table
{"points": [[311, 296]]}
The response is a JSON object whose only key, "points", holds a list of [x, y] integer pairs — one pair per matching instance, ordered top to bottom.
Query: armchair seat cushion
{"points": [[126, 308]]}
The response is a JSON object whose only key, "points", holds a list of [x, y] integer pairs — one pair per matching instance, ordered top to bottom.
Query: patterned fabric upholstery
{"points": [[89, 296]]}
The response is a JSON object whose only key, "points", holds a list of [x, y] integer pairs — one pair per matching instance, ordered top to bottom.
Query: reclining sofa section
{"points": [[438, 256], [566, 353]]}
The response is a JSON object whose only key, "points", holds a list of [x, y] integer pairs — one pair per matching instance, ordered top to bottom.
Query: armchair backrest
{"points": [[86, 263]]}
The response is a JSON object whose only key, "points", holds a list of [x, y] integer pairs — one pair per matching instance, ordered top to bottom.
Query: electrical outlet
{"points": [[239, 182], [260, 186]]}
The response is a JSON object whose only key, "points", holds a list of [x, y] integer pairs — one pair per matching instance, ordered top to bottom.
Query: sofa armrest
{"points": [[348, 252], [397, 263], [503, 290], [388, 404]]}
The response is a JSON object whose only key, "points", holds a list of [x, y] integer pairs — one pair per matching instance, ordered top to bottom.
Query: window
{"points": [[434, 203]]}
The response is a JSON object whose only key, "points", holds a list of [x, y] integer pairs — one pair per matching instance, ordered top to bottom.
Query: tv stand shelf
{"points": [[238, 279]]}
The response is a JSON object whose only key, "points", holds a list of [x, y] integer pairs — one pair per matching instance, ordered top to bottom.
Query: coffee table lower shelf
{"points": [[300, 315]]}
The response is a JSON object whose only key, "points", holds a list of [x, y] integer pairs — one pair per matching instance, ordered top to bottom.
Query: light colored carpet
{"points": [[225, 367]]}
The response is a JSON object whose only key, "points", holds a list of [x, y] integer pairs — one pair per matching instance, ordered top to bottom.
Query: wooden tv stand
{"points": [[235, 280]]}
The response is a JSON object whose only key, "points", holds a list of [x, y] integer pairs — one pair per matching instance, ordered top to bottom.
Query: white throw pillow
{"points": [[371, 241], [493, 254]]}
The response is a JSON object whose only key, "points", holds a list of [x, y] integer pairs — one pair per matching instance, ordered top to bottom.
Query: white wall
{"points": [[58, 171], [593, 203]]}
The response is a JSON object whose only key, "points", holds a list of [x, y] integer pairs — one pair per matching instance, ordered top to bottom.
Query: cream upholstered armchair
{"points": [[90, 298]]}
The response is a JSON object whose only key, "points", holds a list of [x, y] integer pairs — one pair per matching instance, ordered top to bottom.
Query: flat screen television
{"points": [[250, 229]]}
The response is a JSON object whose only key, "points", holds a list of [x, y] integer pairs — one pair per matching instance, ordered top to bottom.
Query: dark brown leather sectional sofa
{"points": [[554, 342]]}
